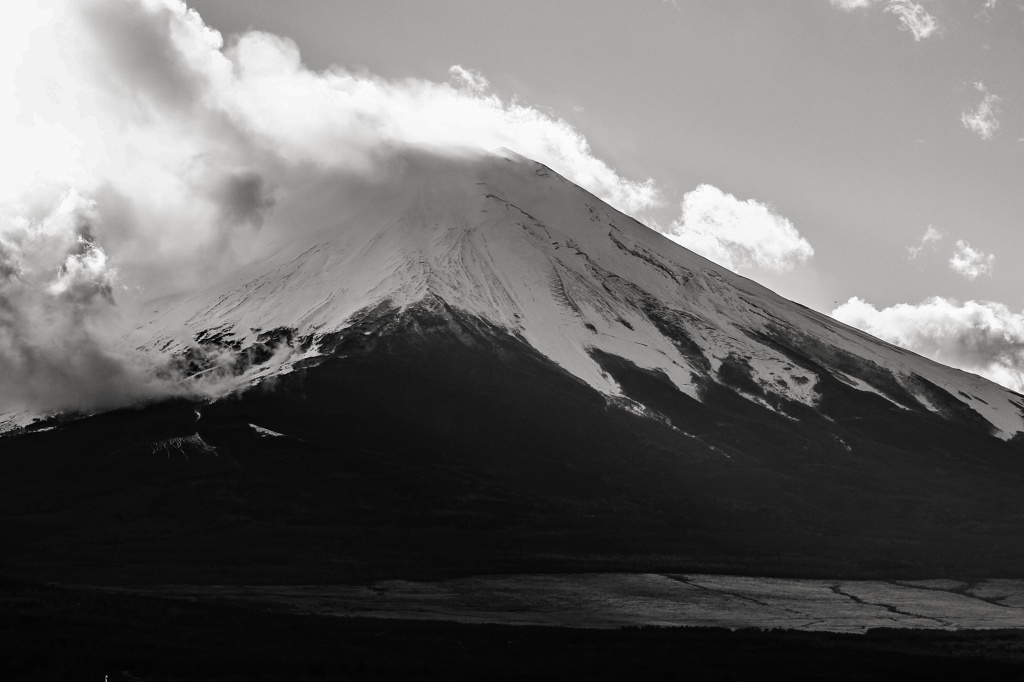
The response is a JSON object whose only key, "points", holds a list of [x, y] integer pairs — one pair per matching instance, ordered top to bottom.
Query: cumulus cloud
{"points": [[982, 119], [144, 155], [737, 234], [930, 237], [970, 262], [983, 337]]}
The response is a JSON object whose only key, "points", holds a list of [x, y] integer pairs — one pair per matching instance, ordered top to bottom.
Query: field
{"points": [[616, 600], [55, 633]]}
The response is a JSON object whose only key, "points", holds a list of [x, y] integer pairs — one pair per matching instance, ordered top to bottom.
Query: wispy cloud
{"points": [[853, 4], [913, 17], [982, 119], [737, 234], [930, 236], [970, 262], [983, 337]]}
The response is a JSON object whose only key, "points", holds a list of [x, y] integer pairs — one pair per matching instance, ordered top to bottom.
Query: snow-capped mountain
{"points": [[507, 240], [481, 367]]}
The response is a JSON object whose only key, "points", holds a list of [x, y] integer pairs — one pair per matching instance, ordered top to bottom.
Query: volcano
{"points": [[483, 367]]}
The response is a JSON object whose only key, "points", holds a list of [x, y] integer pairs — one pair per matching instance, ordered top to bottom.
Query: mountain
{"points": [[509, 242], [479, 367]]}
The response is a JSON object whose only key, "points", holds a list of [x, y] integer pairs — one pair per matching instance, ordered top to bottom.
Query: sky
{"points": [[842, 120], [862, 157]]}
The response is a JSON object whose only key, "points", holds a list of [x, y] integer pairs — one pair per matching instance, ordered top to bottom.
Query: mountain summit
{"points": [[479, 366]]}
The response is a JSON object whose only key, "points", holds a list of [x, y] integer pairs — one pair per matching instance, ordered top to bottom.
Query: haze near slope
{"points": [[510, 241]]}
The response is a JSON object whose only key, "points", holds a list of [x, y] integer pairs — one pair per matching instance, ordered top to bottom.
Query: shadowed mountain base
{"points": [[437, 445]]}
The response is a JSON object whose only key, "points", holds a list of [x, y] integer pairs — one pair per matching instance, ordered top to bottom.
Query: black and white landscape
{"points": [[404, 387]]}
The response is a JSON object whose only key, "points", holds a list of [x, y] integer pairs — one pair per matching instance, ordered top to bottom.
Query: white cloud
{"points": [[853, 4], [913, 17], [147, 63], [470, 79], [337, 116], [982, 119], [179, 152], [737, 234], [930, 236], [970, 262], [983, 337]]}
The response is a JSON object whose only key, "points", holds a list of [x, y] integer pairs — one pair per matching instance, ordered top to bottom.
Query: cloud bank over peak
{"points": [[338, 118], [146, 155], [739, 235], [983, 337]]}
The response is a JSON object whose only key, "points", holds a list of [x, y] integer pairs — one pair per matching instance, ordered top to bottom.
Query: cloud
{"points": [[849, 5], [913, 17], [471, 80], [338, 117], [982, 119], [144, 155], [737, 234], [930, 236], [969, 262], [56, 314], [983, 337]]}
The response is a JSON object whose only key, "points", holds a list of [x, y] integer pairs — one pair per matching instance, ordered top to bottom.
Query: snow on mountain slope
{"points": [[510, 241]]}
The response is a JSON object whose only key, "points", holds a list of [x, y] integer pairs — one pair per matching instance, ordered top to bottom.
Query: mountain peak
{"points": [[509, 155], [530, 252]]}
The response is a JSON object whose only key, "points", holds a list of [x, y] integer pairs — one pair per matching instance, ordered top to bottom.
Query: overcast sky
{"points": [[863, 157]]}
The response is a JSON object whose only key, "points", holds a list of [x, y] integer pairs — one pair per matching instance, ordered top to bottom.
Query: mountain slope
{"points": [[507, 240], [482, 367]]}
